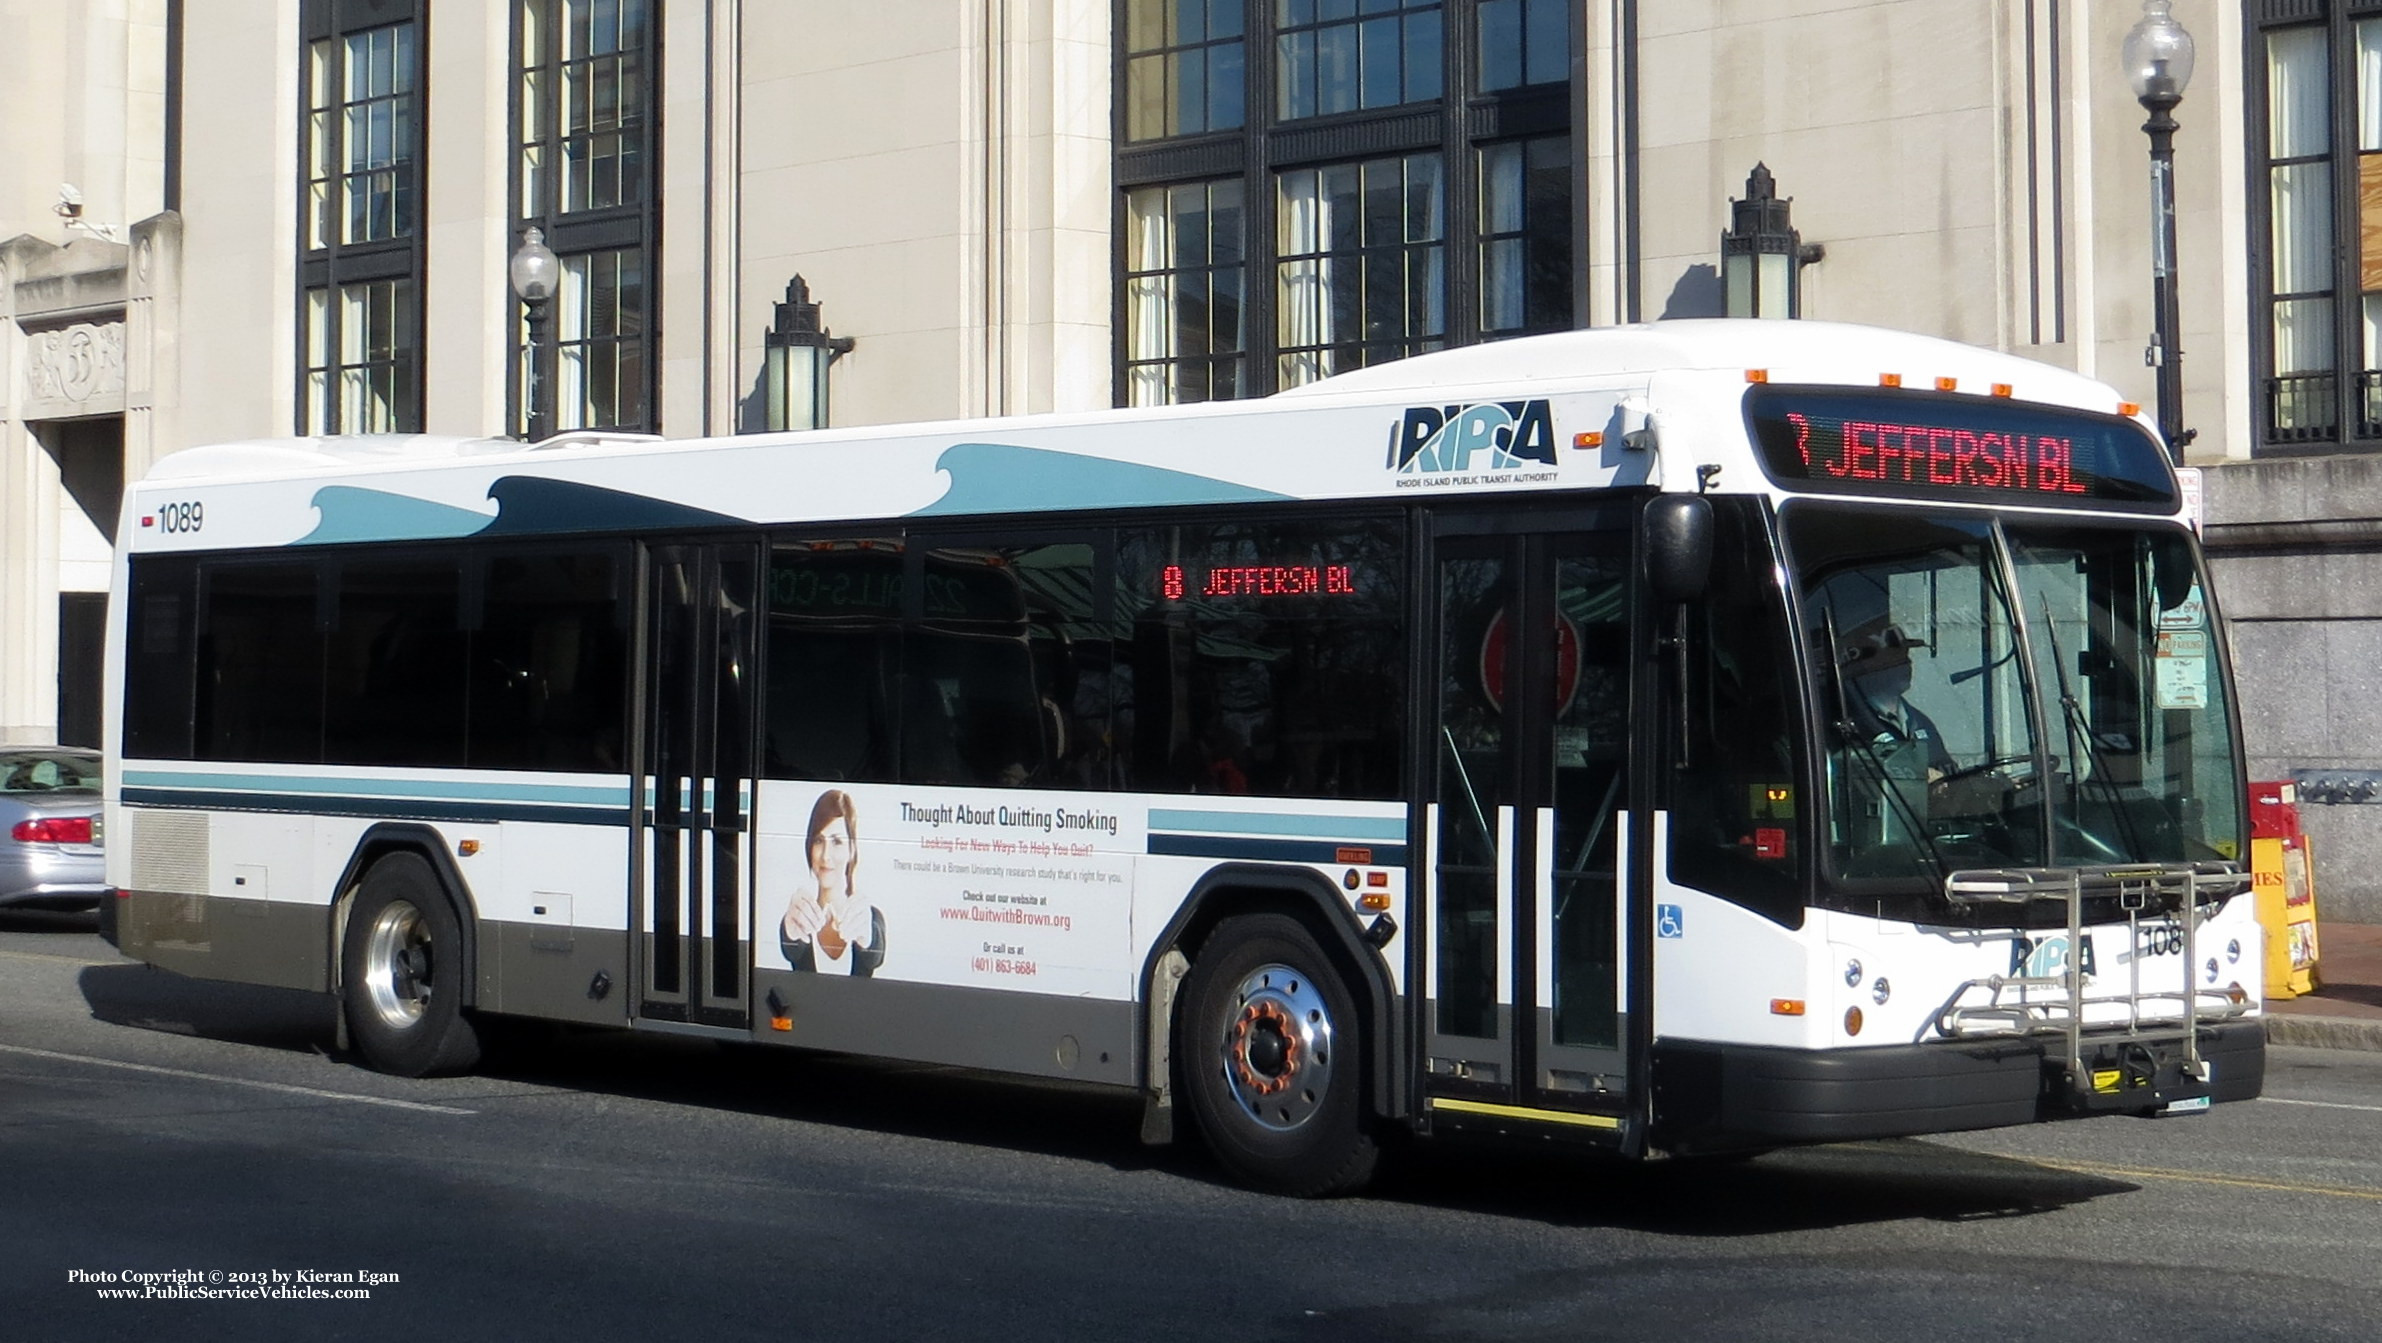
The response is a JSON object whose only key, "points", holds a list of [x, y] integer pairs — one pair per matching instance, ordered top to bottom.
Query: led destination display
{"points": [[1935, 445], [1258, 580]]}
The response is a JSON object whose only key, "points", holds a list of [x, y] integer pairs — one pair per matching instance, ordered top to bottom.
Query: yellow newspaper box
{"points": [[2283, 872]]}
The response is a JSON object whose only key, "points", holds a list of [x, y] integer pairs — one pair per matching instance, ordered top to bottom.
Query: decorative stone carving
{"points": [[77, 365]]}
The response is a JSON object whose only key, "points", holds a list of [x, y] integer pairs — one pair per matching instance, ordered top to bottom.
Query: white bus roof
{"points": [[1553, 412]]}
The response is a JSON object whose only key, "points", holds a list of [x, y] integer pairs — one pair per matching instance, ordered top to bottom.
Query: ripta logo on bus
{"points": [[1489, 436], [2047, 958]]}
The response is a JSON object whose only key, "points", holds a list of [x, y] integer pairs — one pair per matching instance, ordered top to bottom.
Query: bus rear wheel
{"points": [[401, 973], [1268, 1043]]}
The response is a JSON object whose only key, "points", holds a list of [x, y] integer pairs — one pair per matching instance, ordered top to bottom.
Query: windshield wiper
{"points": [[2082, 742]]}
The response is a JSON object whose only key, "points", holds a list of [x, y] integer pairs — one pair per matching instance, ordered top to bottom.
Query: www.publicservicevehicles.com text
{"points": [[216, 1284]]}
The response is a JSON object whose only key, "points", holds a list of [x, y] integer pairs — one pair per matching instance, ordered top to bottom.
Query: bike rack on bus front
{"points": [[2181, 891]]}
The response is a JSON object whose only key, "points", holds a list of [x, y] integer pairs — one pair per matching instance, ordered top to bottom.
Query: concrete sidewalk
{"points": [[2345, 1011]]}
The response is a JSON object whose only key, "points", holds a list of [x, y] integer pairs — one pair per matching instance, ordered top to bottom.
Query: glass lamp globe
{"points": [[2158, 53]]}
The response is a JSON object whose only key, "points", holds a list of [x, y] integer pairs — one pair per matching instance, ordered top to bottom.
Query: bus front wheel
{"points": [[401, 973], [1268, 1043]]}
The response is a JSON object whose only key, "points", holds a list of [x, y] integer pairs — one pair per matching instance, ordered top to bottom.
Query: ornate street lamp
{"points": [[2158, 57], [1761, 255], [534, 272], [795, 355]]}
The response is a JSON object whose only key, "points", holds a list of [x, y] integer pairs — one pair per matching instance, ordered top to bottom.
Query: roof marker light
{"points": [[1757, 375], [1889, 380], [1947, 384], [2003, 389], [2129, 409]]}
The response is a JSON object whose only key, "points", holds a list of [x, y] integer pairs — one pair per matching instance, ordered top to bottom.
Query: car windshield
{"points": [[2012, 694], [47, 771]]}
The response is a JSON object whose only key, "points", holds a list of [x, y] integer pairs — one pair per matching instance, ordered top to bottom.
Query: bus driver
{"points": [[1901, 736]]}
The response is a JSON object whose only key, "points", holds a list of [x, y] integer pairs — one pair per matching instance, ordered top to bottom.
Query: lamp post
{"points": [[2158, 58], [1761, 255], [534, 271], [795, 354]]}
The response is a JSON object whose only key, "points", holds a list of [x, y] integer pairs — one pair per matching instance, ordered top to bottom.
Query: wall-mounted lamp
{"points": [[1761, 255], [795, 355]]}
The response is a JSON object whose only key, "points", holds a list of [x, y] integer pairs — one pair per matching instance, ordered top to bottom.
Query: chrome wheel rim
{"points": [[397, 965], [1277, 1051]]}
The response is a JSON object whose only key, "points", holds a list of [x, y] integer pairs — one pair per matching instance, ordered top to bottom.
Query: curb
{"points": [[2324, 1032]]}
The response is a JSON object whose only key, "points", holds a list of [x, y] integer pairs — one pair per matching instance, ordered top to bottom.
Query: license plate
{"points": [[2188, 1105]]}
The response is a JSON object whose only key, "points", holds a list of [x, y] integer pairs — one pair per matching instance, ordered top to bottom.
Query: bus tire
{"points": [[400, 980], [1269, 1048]]}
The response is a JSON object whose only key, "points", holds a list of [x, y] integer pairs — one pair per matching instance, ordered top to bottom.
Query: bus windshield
{"points": [[2011, 694]]}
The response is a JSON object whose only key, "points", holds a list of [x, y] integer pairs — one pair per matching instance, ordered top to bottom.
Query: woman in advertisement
{"points": [[828, 928]]}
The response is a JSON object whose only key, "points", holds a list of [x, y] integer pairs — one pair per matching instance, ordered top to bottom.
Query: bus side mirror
{"points": [[1678, 546], [2171, 575]]}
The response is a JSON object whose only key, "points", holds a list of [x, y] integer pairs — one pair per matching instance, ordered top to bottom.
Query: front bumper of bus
{"points": [[1722, 1097]]}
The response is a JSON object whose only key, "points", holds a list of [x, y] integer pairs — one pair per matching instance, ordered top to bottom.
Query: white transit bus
{"points": [[1694, 738]]}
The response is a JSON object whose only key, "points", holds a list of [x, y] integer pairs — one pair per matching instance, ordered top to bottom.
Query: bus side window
{"points": [[157, 657], [1262, 657], [549, 663], [996, 664], [395, 673], [259, 692], [835, 704], [1736, 828]]}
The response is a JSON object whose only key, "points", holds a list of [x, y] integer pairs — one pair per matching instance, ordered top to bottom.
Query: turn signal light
{"points": [[1593, 438], [52, 830], [1376, 901], [2236, 994], [1786, 1007], [1852, 1021]]}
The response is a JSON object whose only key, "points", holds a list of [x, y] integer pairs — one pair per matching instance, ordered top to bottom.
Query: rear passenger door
{"points": [[701, 631]]}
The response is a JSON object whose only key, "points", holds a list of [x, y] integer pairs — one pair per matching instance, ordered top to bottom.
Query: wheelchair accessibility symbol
{"points": [[1669, 922]]}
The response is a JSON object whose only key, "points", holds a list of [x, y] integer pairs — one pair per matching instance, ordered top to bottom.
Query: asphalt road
{"points": [[610, 1187]]}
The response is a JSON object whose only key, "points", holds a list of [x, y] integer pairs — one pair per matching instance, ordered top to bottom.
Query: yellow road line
{"points": [[66, 960], [2198, 1177]]}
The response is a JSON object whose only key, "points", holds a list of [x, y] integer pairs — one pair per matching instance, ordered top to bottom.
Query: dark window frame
{"points": [[1456, 126], [631, 226], [337, 264], [2350, 390]]}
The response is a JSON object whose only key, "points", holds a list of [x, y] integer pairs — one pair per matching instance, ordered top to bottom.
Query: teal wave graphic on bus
{"points": [[1490, 436], [1003, 477], [525, 506], [353, 513]]}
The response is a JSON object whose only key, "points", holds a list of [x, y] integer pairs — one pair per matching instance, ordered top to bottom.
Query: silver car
{"points": [[49, 828]]}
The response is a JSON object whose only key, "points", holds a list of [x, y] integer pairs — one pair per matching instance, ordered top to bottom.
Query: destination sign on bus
{"points": [[1913, 444], [1257, 580]]}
